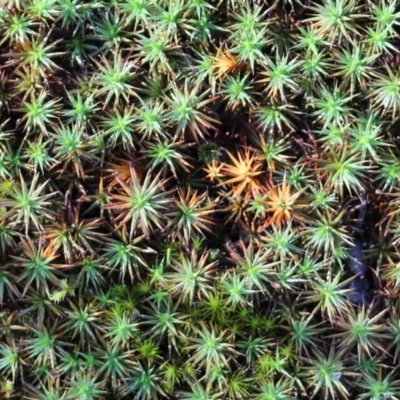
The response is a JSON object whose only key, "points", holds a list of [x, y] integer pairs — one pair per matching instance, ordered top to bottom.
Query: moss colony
{"points": [[199, 200]]}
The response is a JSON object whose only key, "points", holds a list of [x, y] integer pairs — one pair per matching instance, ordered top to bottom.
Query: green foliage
{"points": [[336, 18], [37, 55], [280, 76], [113, 79], [386, 91], [185, 110], [39, 112], [199, 199], [143, 203], [27, 204], [190, 215], [191, 277], [329, 294], [362, 331], [210, 349], [10, 360], [328, 375], [84, 387]]}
